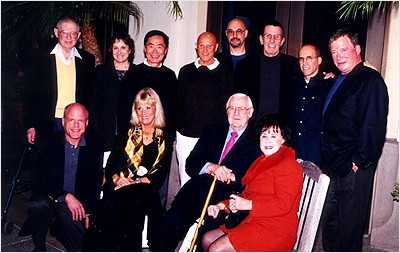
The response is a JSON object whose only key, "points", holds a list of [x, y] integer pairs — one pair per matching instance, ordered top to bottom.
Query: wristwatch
{"points": [[137, 181]]}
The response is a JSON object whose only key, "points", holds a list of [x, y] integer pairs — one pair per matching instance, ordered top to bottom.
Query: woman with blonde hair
{"points": [[138, 165]]}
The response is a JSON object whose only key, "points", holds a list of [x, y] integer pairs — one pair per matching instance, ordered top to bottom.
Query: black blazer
{"points": [[40, 94], [354, 123], [209, 149], [48, 176]]}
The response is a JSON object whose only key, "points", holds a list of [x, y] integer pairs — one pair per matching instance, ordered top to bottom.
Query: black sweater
{"points": [[202, 97]]}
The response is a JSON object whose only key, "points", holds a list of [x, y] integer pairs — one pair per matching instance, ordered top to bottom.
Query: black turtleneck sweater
{"points": [[269, 85]]}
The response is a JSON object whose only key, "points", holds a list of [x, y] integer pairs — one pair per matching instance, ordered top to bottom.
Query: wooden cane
{"points": [[202, 214]]}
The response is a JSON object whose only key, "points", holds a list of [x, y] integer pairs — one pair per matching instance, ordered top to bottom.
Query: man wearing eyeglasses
{"points": [[236, 34], [59, 77], [266, 77], [303, 113], [210, 157], [66, 183]]}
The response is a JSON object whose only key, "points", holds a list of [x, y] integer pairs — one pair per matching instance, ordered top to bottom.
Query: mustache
{"points": [[235, 38]]}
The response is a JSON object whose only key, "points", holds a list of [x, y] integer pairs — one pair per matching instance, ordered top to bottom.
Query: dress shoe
{"points": [[25, 230]]}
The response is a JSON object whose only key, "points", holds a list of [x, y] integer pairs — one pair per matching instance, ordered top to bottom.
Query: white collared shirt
{"points": [[57, 50], [148, 64], [210, 67]]}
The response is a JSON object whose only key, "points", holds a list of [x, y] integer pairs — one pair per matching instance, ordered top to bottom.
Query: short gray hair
{"points": [[240, 95]]}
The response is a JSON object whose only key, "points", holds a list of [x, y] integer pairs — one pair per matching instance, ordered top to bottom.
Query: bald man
{"points": [[236, 33], [203, 88]]}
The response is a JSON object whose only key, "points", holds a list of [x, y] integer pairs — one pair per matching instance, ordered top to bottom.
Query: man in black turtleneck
{"points": [[266, 77]]}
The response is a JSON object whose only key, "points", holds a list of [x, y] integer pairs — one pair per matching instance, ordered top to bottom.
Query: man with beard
{"points": [[236, 33]]}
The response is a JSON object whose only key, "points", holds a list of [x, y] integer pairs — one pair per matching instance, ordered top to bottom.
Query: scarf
{"points": [[134, 150]]}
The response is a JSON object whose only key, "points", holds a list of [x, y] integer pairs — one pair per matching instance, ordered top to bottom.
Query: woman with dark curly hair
{"points": [[110, 78], [273, 187]]}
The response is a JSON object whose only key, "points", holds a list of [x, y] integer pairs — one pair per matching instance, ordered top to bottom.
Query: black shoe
{"points": [[25, 230], [39, 250]]}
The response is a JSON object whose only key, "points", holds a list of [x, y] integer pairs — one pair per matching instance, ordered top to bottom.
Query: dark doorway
{"points": [[253, 13], [320, 21]]}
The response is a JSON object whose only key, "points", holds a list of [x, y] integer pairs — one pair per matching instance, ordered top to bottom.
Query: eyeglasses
{"points": [[238, 32], [64, 34], [269, 36], [308, 59], [242, 110], [75, 121]]}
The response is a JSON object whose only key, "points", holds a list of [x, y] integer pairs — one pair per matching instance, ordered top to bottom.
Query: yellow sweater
{"points": [[66, 83]]}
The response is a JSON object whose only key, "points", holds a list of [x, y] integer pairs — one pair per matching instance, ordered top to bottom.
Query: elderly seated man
{"points": [[208, 157]]}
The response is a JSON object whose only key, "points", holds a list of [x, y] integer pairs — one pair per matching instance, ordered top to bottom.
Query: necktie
{"points": [[229, 145]]}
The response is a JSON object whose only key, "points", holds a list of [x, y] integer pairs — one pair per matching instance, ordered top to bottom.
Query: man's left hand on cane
{"points": [[222, 173]]}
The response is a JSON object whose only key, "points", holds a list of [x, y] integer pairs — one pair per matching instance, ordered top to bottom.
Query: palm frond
{"points": [[175, 10], [351, 10], [119, 12]]}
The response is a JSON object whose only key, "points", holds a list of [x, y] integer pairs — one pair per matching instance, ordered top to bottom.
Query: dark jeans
{"points": [[41, 211], [345, 212]]}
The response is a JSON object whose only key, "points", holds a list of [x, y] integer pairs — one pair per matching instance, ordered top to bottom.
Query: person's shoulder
{"points": [[84, 53], [224, 54], [289, 58], [252, 59], [188, 65], [103, 66], [140, 66], [187, 68], [168, 71], [361, 72], [215, 129], [53, 140], [93, 141]]}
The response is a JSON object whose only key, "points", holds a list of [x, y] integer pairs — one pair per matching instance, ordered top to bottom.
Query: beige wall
{"points": [[390, 72]]}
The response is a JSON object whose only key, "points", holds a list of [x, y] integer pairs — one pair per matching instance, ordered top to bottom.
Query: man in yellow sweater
{"points": [[59, 77]]}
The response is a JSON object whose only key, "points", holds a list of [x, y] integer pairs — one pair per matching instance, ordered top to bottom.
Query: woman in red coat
{"points": [[273, 187]]}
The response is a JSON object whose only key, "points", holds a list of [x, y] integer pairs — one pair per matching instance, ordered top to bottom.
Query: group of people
{"points": [[105, 134]]}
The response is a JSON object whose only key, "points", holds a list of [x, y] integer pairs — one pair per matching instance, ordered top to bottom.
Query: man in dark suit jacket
{"points": [[267, 77], [53, 82], [353, 134], [205, 160], [66, 183]]}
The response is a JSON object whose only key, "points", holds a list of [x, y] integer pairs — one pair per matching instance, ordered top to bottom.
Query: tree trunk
{"points": [[89, 43]]}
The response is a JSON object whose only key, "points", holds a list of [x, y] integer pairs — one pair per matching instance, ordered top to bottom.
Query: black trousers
{"points": [[346, 210], [42, 211], [121, 216]]}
